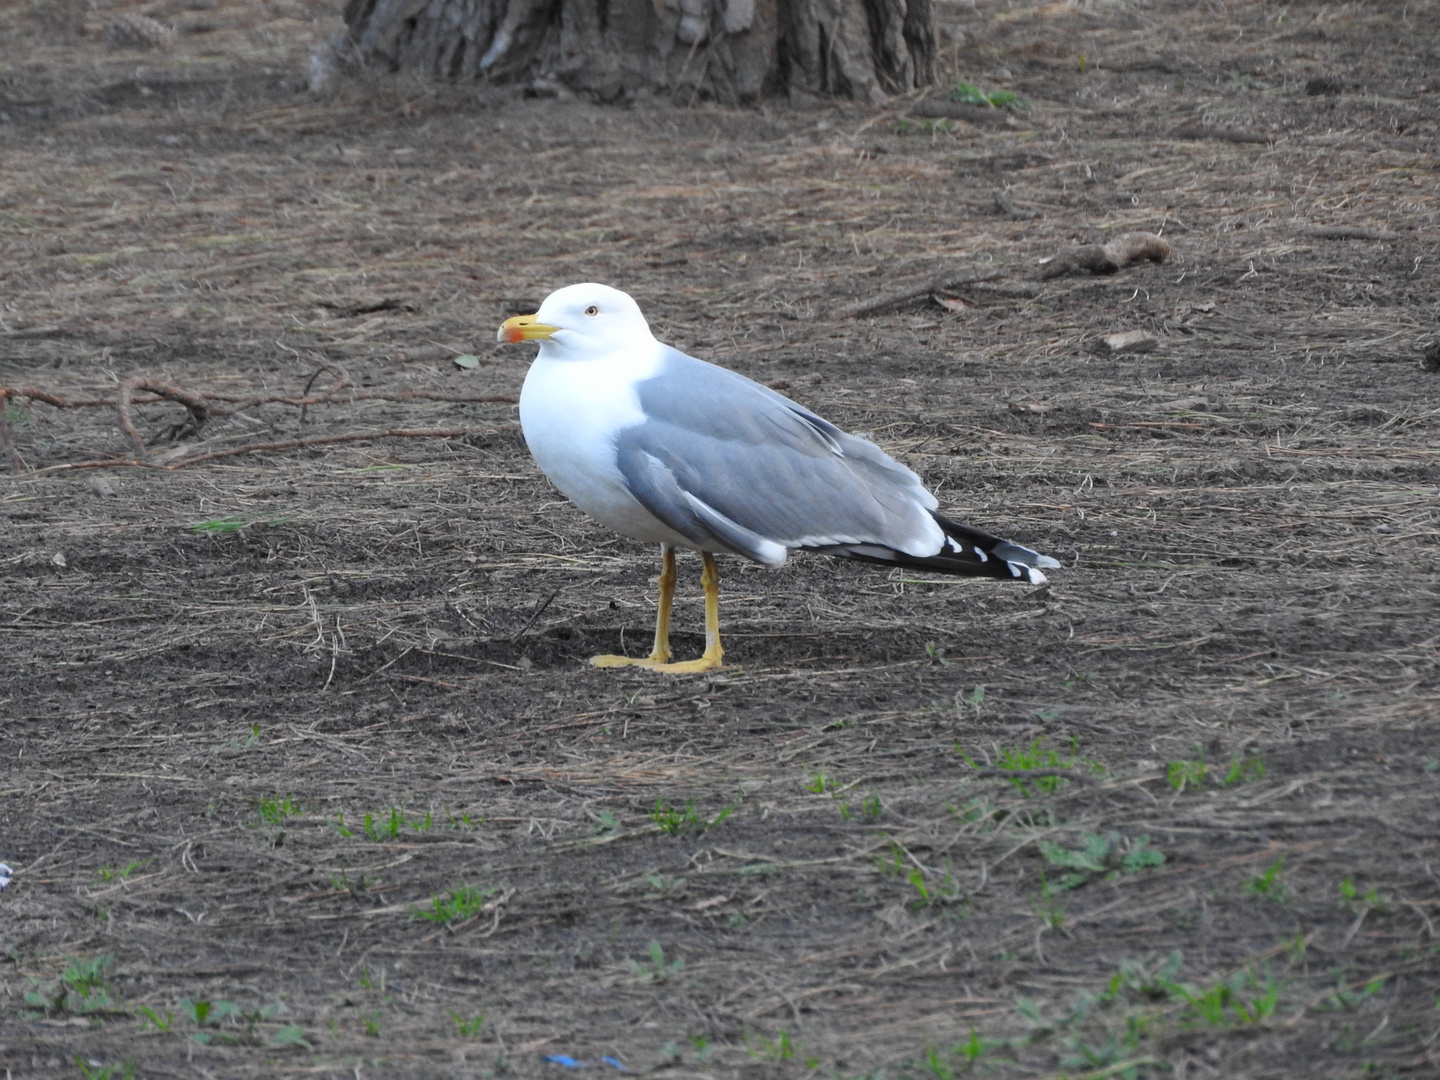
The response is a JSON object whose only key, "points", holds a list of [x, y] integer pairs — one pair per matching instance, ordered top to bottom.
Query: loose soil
{"points": [[305, 772]]}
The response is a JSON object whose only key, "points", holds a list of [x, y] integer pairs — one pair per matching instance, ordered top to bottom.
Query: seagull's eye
{"points": [[592, 311]]}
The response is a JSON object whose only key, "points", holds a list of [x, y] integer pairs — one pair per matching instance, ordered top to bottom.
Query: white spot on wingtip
{"points": [[981, 555], [1036, 577]]}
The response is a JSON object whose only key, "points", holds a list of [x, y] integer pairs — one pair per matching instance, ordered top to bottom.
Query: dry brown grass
{"points": [[1247, 516]]}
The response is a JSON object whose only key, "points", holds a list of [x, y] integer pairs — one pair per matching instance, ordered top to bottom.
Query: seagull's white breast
{"points": [[571, 412]]}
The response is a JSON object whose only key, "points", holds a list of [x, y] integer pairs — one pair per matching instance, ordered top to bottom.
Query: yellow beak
{"points": [[524, 328]]}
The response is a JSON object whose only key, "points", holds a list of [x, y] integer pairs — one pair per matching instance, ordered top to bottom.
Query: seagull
{"points": [[675, 451]]}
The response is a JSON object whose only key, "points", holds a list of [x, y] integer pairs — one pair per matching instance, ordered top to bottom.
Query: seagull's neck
{"points": [[629, 361]]}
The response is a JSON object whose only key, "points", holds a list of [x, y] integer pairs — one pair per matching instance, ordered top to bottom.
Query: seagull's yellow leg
{"points": [[710, 578], [661, 652], [657, 660]]}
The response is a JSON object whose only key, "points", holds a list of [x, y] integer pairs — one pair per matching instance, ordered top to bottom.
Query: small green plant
{"points": [[966, 94], [905, 127], [236, 522], [232, 523], [936, 653], [972, 700], [235, 746], [1031, 758], [1240, 769], [1183, 774], [819, 783], [872, 807], [275, 809], [977, 811], [462, 821], [673, 821], [606, 824], [1100, 855], [891, 860], [108, 873], [341, 882], [1268, 885], [1371, 899], [459, 905], [1050, 911], [658, 969], [1150, 982], [83, 988], [1247, 997], [1345, 997], [208, 1018], [152, 1020], [371, 1024], [468, 1026], [291, 1035], [702, 1046], [779, 1048], [974, 1048], [1115, 1056], [941, 1063], [93, 1070]]}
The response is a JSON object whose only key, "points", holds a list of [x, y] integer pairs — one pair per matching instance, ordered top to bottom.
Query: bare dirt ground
{"points": [[305, 773]]}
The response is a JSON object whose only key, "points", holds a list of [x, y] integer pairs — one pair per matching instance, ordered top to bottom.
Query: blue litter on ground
{"points": [[566, 1060], [614, 1063]]}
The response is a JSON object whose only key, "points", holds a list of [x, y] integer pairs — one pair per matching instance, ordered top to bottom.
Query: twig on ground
{"points": [[939, 109], [1199, 131], [1009, 209], [1349, 232], [1108, 258], [913, 292], [194, 403], [203, 407], [289, 444]]}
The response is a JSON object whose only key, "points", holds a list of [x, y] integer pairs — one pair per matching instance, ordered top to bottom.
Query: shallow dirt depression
{"points": [[305, 774]]}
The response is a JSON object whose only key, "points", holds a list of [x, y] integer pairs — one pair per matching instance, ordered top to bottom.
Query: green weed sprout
{"points": [[967, 94], [275, 809], [673, 821], [1100, 856], [1268, 885], [459, 905], [658, 969]]}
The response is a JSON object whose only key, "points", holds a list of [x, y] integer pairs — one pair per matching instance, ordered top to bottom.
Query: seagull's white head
{"points": [[581, 320]]}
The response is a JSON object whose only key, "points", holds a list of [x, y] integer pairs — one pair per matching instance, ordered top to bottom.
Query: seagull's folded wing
{"points": [[727, 462]]}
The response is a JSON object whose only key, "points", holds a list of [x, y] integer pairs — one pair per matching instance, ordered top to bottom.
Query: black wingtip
{"points": [[967, 552]]}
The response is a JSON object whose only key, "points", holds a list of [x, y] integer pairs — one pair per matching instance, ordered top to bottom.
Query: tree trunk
{"points": [[733, 51]]}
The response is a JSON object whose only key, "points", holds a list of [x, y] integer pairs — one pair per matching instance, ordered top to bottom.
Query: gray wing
{"points": [[723, 460]]}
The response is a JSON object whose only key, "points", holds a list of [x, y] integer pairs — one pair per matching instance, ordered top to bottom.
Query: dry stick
{"points": [[1195, 131], [1005, 206], [1349, 232], [1108, 258], [912, 292], [340, 381], [193, 402], [201, 406], [289, 444]]}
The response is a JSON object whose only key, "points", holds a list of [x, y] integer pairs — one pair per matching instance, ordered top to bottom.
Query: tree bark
{"points": [[733, 51]]}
